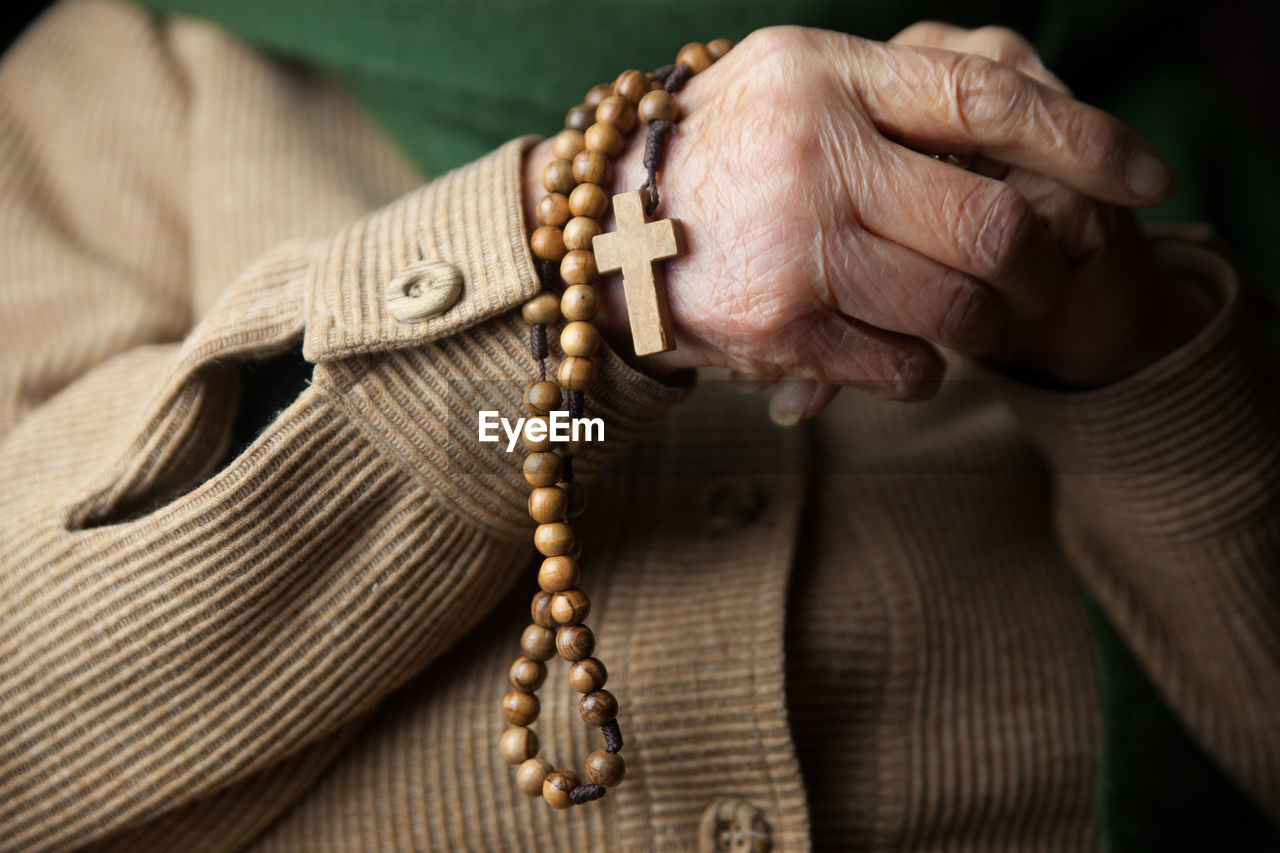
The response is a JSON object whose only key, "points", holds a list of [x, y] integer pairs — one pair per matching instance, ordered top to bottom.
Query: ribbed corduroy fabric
{"points": [[871, 630]]}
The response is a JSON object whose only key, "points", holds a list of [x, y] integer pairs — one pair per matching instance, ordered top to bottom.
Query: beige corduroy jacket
{"points": [[865, 634]]}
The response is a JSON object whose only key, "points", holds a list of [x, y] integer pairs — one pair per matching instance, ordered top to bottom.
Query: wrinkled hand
{"points": [[823, 246]]}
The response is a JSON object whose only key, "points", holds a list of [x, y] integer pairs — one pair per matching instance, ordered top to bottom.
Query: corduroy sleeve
{"points": [[1168, 506], [183, 647]]}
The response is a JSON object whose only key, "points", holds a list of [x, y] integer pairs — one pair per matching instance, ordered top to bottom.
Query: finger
{"points": [[998, 44], [941, 101], [977, 225], [1081, 225], [898, 289], [842, 350], [749, 383], [796, 400]]}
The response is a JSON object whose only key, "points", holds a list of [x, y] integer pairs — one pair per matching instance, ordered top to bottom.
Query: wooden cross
{"points": [[633, 248]]}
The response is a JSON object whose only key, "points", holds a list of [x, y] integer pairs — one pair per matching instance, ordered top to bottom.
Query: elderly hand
{"points": [[825, 248]]}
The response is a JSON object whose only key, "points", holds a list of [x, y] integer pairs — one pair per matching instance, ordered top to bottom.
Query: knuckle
{"points": [[1003, 45], [983, 93], [995, 224], [911, 374]]}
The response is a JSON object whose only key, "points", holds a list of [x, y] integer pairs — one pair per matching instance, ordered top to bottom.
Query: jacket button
{"points": [[423, 290], [726, 505], [734, 825]]}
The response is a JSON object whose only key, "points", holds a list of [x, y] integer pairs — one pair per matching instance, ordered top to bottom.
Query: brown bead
{"points": [[717, 48], [695, 55], [632, 85], [596, 94], [658, 105], [617, 111], [579, 118], [602, 137], [568, 143], [592, 167], [557, 176], [588, 200], [553, 209], [579, 232], [547, 243], [579, 266], [578, 302], [543, 308], [580, 339], [576, 373], [542, 397], [536, 435], [542, 469], [577, 497], [548, 503], [553, 539], [576, 551], [558, 573], [570, 607], [540, 610], [575, 642], [538, 643], [527, 674], [587, 675], [597, 707], [522, 708], [518, 744], [605, 768], [530, 774], [556, 788]]}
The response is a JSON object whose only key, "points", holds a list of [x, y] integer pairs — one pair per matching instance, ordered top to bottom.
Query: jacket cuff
{"points": [[417, 386], [1185, 447]]}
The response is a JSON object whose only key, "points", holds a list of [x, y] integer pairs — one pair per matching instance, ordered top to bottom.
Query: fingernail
{"points": [[1149, 176], [788, 403]]}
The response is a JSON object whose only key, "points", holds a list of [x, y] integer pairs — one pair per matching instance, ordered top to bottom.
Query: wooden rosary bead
{"points": [[719, 47], [695, 55], [632, 85], [596, 94], [657, 105], [617, 111], [579, 118], [600, 137], [568, 143], [592, 167], [557, 176], [588, 200], [553, 209], [578, 234], [547, 243], [579, 266], [578, 302], [543, 308], [580, 339], [576, 373], [542, 397], [536, 435], [542, 469], [577, 494], [548, 503], [553, 539], [558, 573], [570, 607], [540, 610], [575, 642], [538, 643], [527, 674], [587, 675], [597, 707], [521, 708], [518, 744], [605, 768], [530, 775], [556, 788]]}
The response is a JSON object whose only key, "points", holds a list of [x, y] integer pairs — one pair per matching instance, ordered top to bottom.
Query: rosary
{"points": [[570, 236]]}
